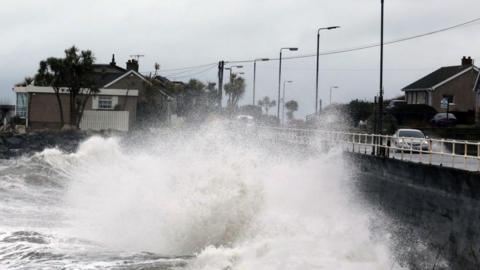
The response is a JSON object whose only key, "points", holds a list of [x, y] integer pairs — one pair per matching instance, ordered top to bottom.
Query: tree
{"points": [[71, 75], [26, 81], [235, 90], [266, 104], [153, 106], [291, 106], [359, 110]]}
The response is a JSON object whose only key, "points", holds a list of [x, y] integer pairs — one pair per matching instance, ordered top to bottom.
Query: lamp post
{"points": [[318, 56], [230, 69], [255, 75], [280, 77], [332, 87], [380, 96], [283, 101], [381, 151]]}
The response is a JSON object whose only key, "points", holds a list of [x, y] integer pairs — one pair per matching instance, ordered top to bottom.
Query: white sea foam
{"points": [[231, 201], [234, 204]]}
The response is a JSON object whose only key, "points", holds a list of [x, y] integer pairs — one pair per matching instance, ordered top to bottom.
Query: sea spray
{"points": [[231, 201]]}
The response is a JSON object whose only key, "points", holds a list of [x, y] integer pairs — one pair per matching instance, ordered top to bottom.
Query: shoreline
{"points": [[13, 145]]}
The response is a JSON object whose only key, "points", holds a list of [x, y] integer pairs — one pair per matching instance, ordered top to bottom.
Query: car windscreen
{"points": [[439, 116], [411, 134]]}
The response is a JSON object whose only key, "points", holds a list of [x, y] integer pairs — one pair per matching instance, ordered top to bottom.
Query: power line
{"points": [[371, 45], [189, 67], [183, 70], [193, 74]]}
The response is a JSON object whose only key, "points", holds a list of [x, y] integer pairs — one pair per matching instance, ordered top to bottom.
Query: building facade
{"points": [[454, 83], [115, 105]]}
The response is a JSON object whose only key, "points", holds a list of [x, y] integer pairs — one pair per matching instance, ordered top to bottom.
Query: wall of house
{"points": [[131, 82], [462, 90], [125, 103], [44, 112]]}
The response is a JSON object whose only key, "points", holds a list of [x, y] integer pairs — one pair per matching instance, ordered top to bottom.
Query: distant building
{"points": [[455, 83], [113, 107]]}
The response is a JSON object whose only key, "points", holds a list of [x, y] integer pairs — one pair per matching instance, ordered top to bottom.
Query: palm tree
{"points": [[74, 74], [235, 90], [266, 103], [291, 106]]}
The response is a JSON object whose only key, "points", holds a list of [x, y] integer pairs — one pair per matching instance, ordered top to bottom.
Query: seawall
{"points": [[439, 205]]}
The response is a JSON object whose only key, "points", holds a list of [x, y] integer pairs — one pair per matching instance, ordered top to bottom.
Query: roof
{"points": [[105, 73], [125, 74], [438, 77]]}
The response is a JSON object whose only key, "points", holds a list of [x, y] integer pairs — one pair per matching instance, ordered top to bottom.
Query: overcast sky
{"points": [[182, 33]]}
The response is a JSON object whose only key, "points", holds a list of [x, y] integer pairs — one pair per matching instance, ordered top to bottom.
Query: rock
{"points": [[67, 127], [21, 129], [15, 141]]}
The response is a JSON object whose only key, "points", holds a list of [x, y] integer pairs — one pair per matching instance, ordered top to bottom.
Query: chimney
{"points": [[467, 61], [113, 63], [132, 64]]}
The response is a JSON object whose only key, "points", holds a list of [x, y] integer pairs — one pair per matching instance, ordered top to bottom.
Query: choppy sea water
{"points": [[184, 200]]}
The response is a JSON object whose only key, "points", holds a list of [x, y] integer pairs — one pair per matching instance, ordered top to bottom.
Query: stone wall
{"points": [[440, 205]]}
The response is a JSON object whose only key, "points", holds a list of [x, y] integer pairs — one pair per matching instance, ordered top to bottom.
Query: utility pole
{"points": [[221, 64], [380, 97], [375, 124]]}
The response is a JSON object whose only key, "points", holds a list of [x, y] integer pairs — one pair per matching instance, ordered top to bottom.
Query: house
{"points": [[455, 83], [115, 106]]}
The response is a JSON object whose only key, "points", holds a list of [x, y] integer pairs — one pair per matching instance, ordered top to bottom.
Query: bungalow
{"points": [[455, 83], [113, 107]]}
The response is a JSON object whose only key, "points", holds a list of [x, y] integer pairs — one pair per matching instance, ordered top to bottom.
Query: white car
{"points": [[410, 139]]}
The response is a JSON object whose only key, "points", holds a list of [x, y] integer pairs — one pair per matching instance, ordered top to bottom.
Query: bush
{"points": [[413, 113]]}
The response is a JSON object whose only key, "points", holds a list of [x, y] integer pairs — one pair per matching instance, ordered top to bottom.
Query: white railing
{"points": [[443, 152]]}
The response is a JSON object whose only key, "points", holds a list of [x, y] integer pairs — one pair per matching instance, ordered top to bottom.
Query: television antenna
{"points": [[137, 56]]}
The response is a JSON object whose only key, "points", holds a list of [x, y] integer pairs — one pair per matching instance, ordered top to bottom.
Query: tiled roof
{"points": [[105, 73], [436, 77]]}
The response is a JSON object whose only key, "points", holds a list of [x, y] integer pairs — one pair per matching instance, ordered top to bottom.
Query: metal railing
{"points": [[444, 152]]}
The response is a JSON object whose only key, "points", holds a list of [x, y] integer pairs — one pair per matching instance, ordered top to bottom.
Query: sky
{"points": [[186, 33]]}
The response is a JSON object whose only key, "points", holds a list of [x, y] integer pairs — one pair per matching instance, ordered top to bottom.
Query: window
{"points": [[449, 98], [22, 103], [105, 103], [411, 134]]}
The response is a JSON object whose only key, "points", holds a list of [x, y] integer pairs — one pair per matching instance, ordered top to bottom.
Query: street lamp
{"points": [[318, 55], [230, 69], [255, 74], [280, 76], [332, 87], [380, 97], [283, 101]]}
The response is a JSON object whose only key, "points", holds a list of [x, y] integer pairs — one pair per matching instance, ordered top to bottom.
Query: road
{"points": [[469, 163]]}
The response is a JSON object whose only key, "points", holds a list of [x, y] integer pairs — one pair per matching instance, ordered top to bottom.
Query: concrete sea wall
{"points": [[440, 206]]}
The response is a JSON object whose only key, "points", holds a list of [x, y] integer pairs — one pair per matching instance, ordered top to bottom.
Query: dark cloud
{"points": [[177, 33]]}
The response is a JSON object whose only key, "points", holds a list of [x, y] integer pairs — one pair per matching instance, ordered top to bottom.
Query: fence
{"points": [[105, 120], [443, 152]]}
